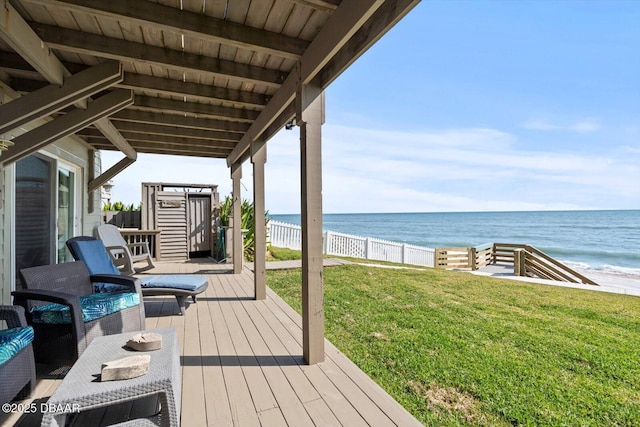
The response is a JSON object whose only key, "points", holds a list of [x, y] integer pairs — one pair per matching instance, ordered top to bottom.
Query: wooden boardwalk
{"points": [[242, 362]]}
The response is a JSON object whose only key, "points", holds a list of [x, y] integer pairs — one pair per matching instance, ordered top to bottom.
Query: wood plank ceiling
{"points": [[208, 76]]}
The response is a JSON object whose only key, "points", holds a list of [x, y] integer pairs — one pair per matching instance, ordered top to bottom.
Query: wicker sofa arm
{"points": [[133, 282], [72, 301], [13, 315]]}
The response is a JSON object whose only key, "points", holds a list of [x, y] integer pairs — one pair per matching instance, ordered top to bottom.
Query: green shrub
{"points": [[246, 223]]}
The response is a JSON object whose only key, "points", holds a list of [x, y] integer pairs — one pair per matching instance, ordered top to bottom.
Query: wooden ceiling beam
{"points": [[328, 6], [197, 25], [15, 31], [107, 47], [151, 84], [200, 92], [52, 98], [163, 104], [181, 121], [67, 124], [176, 131], [135, 137], [164, 148]]}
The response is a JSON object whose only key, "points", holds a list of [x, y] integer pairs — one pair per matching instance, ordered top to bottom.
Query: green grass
{"points": [[284, 254], [459, 349]]}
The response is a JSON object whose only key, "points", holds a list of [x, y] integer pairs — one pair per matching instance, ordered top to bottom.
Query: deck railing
{"points": [[152, 237], [341, 244], [471, 258], [527, 260], [532, 262]]}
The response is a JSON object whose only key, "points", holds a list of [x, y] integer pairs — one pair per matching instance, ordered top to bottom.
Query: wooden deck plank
{"points": [[242, 362], [192, 373], [242, 408], [218, 409]]}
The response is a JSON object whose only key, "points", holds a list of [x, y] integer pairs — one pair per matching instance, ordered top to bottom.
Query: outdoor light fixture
{"points": [[292, 123], [5, 143]]}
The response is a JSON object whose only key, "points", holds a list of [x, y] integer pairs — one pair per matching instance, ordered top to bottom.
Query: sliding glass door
{"points": [[46, 211], [66, 211], [34, 212]]}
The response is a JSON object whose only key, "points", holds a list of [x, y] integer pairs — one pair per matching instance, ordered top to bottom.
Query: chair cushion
{"points": [[95, 256], [98, 261], [177, 281], [93, 307], [13, 340]]}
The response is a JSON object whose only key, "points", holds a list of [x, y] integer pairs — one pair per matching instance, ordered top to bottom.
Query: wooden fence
{"points": [[341, 244], [471, 258], [527, 260]]}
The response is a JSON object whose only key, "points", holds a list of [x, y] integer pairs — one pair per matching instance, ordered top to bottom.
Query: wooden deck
{"points": [[242, 362]]}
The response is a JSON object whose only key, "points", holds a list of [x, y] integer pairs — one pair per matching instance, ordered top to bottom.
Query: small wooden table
{"points": [[81, 389]]}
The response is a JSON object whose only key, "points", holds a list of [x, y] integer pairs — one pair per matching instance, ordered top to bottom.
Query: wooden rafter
{"points": [[328, 6], [157, 16], [15, 31], [108, 47], [149, 84], [195, 91], [52, 98], [163, 104], [157, 118], [67, 124], [129, 128], [177, 141]]}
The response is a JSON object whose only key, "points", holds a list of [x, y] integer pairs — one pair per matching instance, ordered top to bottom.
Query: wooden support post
{"points": [[311, 112], [259, 158], [237, 248], [519, 258], [472, 259]]}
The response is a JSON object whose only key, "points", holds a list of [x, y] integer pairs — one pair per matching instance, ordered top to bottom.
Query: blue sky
{"points": [[466, 105]]}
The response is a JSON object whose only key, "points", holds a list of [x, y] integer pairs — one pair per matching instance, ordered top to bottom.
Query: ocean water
{"points": [[607, 241]]}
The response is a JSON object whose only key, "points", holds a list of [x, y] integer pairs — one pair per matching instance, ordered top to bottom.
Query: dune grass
{"points": [[459, 349]]}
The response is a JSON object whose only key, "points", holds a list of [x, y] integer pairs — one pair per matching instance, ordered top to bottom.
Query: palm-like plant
{"points": [[247, 223]]}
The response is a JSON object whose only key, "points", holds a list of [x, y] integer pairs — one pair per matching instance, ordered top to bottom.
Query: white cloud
{"points": [[582, 126], [367, 170]]}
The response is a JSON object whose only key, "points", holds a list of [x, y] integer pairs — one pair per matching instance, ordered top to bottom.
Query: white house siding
{"points": [[71, 151]]}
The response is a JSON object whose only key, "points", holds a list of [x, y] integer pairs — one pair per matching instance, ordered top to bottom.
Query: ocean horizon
{"points": [[600, 240]]}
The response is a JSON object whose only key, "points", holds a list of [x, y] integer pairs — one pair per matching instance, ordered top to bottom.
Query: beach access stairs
{"points": [[527, 261]]}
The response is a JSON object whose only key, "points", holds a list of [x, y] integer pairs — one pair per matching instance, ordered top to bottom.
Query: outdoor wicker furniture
{"points": [[94, 254], [124, 254], [66, 313], [17, 365], [80, 390]]}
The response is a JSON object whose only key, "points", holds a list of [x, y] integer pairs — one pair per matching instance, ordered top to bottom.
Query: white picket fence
{"points": [[285, 235]]}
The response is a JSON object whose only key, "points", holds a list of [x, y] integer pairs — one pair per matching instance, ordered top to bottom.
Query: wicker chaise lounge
{"points": [[93, 252], [66, 314], [17, 365]]}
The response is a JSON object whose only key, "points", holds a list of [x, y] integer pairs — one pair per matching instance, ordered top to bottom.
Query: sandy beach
{"points": [[627, 284]]}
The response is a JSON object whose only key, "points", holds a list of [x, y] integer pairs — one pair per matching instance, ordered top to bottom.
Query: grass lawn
{"points": [[459, 349]]}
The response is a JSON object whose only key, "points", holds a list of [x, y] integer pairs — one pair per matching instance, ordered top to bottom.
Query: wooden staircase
{"points": [[527, 261], [531, 262]]}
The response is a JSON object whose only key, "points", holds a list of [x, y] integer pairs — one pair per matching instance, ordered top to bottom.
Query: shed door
{"points": [[171, 220], [199, 224]]}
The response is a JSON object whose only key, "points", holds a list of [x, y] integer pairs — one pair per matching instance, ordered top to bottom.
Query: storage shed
{"points": [[184, 214]]}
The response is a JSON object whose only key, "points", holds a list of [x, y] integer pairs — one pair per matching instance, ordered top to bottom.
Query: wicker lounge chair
{"points": [[94, 254], [124, 254], [66, 313], [18, 368]]}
